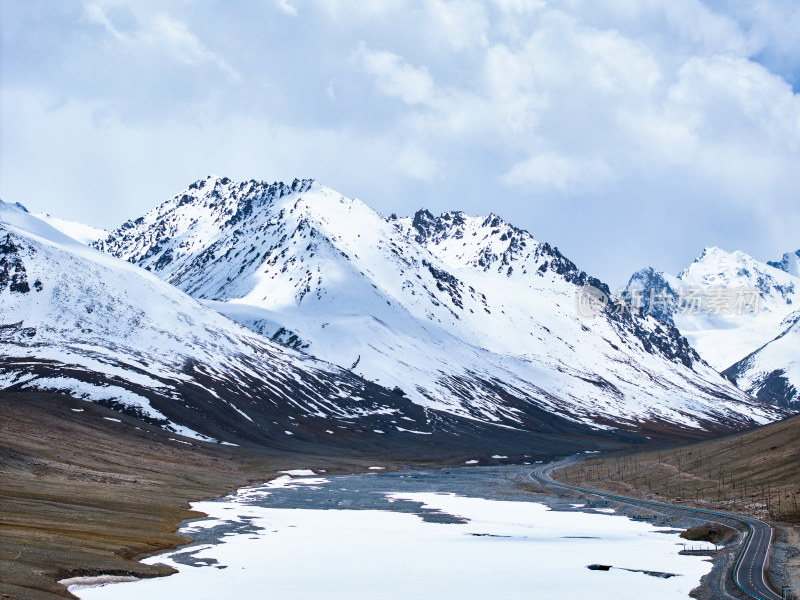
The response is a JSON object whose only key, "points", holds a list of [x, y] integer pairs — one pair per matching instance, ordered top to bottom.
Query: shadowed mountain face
{"points": [[789, 262], [463, 317]]}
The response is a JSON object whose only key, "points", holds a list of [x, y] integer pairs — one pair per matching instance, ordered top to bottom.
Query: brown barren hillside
{"points": [[756, 472]]}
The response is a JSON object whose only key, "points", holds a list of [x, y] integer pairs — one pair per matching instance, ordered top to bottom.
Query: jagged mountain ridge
{"points": [[466, 315]]}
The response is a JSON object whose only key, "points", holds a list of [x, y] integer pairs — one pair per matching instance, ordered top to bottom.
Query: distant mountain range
{"points": [[292, 316], [468, 316], [758, 348]]}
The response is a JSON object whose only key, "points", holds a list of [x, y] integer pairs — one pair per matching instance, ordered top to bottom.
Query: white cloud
{"points": [[287, 6], [519, 7], [359, 11], [95, 13], [775, 23], [459, 24], [686, 24], [709, 31], [159, 32], [563, 52], [395, 77], [330, 90], [735, 95], [718, 108], [414, 161], [562, 173]]}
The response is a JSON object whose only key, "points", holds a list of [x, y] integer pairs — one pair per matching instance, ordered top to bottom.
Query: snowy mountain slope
{"points": [[85, 234], [466, 315], [75, 320], [723, 339], [772, 373]]}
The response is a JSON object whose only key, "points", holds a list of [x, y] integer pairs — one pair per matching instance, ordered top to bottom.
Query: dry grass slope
{"points": [[756, 472], [83, 494]]}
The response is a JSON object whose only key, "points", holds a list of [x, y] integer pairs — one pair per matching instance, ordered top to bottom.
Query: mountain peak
{"points": [[710, 253], [716, 266]]}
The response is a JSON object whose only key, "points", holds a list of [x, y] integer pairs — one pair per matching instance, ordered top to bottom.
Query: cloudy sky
{"points": [[627, 132]]}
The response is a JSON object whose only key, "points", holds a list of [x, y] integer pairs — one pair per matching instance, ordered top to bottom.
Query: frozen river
{"points": [[456, 533]]}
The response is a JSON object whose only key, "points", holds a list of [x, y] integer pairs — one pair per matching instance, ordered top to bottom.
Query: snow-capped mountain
{"points": [[789, 262], [469, 316], [75, 320], [722, 332], [772, 373]]}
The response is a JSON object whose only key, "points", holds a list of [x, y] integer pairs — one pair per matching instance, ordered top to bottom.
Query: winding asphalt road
{"points": [[749, 570]]}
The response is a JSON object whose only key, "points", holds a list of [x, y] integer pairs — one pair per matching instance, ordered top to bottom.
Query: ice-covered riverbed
{"points": [[463, 533]]}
